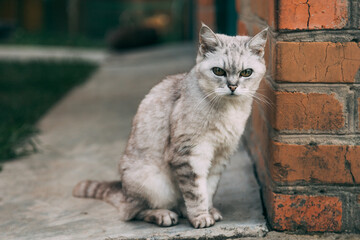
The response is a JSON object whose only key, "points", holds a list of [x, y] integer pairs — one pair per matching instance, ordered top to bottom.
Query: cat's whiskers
{"points": [[221, 91], [212, 96], [258, 97], [265, 97], [203, 100], [264, 101], [260, 102], [211, 104]]}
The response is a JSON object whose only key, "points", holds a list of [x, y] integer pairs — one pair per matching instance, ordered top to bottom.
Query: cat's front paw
{"points": [[216, 214], [162, 217], [202, 221]]}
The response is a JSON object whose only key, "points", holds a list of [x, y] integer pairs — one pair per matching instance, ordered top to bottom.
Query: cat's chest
{"points": [[227, 128]]}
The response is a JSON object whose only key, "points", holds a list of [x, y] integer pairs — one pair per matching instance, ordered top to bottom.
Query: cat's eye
{"points": [[219, 71], [246, 73]]}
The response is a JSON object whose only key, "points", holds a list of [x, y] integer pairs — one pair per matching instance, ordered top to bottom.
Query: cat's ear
{"points": [[207, 39], [257, 43]]}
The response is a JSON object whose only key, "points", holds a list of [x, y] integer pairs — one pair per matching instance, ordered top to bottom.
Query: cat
{"points": [[183, 134]]}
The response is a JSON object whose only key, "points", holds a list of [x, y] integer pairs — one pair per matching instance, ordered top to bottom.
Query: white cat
{"points": [[183, 134]]}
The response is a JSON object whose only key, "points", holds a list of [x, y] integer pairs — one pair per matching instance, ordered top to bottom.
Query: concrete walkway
{"points": [[29, 53], [83, 137]]}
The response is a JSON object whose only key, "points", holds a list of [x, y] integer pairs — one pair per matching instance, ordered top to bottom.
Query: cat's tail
{"points": [[95, 189], [110, 192]]}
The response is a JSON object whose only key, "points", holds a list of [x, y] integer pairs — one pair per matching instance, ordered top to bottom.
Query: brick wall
{"points": [[305, 139], [306, 144]]}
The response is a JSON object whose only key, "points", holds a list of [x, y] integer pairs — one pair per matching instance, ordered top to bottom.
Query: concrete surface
{"points": [[25, 53], [83, 137], [320, 236]]}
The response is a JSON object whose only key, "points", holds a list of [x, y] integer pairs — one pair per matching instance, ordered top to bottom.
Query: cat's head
{"points": [[230, 66]]}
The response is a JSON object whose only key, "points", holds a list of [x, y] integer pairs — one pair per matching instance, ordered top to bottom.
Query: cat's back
{"points": [[168, 89], [160, 99], [151, 128]]}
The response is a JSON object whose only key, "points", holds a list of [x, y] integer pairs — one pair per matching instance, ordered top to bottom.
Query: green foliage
{"points": [[21, 37], [27, 91]]}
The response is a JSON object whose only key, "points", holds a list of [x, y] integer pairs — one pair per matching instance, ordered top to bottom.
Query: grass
{"points": [[21, 37], [27, 91]]}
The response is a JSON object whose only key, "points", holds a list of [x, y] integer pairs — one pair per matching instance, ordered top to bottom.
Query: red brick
{"points": [[312, 14], [242, 29], [325, 62], [308, 111], [352, 157], [291, 163], [303, 212]]}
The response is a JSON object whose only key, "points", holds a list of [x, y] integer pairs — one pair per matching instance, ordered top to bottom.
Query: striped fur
{"points": [[183, 134], [95, 189]]}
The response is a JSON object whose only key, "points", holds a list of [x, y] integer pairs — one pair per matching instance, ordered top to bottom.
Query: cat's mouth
{"points": [[233, 94]]}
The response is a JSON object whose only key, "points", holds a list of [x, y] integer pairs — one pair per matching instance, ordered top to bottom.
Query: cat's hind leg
{"points": [[110, 192], [161, 217]]}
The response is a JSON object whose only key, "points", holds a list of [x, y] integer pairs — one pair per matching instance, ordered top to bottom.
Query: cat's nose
{"points": [[232, 87]]}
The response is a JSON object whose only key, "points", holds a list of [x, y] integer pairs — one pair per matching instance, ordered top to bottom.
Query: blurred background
{"points": [[96, 23], [117, 24], [28, 89]]}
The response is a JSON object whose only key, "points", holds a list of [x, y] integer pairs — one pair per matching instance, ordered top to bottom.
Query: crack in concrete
{"points": [[308, 20], [326, 52], [294, 56], [304, 57], [325, 60], [342, 62], [327, 71], [316, 72], [304, 106], [348, 165]]}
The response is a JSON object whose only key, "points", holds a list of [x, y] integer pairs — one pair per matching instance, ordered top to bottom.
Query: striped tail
{"points": [[95, 189]]}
